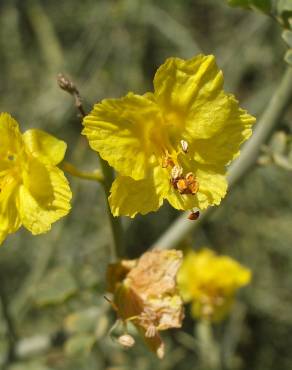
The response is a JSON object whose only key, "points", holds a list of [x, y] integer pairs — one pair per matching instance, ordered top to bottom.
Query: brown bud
{"points": [[65, 84], [194, 215]]}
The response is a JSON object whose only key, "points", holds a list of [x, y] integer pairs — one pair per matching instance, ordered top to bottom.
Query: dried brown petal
{"points": [[155, 273], [145, 293]]}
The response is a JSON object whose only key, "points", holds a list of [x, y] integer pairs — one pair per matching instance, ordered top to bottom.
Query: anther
{"points": [[184, 145], [167, 162], [176, 172], [182, 186]]}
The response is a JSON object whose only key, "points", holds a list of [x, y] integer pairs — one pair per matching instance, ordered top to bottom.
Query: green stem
{"points": [[267, 123], [72, 170], [106, 176], [115, 224], [10, 328], [208, 347]]}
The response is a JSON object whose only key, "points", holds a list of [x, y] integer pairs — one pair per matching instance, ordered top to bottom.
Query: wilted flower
{"points": [[172, 144], [33, 191], [210, 282], [145, 294]]}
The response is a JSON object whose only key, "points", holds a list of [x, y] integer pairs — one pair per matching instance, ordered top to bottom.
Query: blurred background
{"points": [[53, 314]]}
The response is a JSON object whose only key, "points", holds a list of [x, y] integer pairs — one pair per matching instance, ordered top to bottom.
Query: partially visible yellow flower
{"points": [[172, 144], [33, 191], [210, 282], [145, 294]]}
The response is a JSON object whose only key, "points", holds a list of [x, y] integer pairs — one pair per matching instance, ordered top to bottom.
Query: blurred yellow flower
{"points": [[172, 144], [33, 191], [210, 282], [145, 293]]}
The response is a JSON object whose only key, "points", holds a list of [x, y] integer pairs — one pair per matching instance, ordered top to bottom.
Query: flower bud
{"points": [[126, 340]]}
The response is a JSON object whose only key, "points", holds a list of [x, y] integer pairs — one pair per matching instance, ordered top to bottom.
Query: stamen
{"points": [[184, 145], [167, 162], [176, 172], [192, 182], [186, 184], [182, 186], [151, 331]]}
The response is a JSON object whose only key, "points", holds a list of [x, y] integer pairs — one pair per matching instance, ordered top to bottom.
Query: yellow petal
{"points": [[190, 93], [120, 130], [11, 143], [45, 147], [224, 147], [212, 186], [44, 197], [129, 197], [9, 218], [210, 282]]}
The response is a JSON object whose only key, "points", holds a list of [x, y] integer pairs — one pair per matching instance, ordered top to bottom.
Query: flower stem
{"points": [[267, 123], [72, 170], [106, 175], [116, 227], [10, 328], [208, 348]]}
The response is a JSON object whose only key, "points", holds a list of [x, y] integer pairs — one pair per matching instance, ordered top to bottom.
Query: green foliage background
{"points": [[53, 285]]}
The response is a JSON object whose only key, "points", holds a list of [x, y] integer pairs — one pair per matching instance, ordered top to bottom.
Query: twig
{"points": [[68, 86], [268, 121], [106, 172], [11, 332]]}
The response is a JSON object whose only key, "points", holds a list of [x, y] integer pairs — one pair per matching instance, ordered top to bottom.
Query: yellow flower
{"points": [[172, 144], [33, 191], [210, 282], [145, 294]]}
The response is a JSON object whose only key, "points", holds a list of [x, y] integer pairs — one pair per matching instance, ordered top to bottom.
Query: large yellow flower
{"points": [[172, 144], [33, 191], [210, 282]]}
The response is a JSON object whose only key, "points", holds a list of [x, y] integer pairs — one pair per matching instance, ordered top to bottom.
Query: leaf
{"points": [[242, 3], [263, 5], [284, 6], [284, 9], [287, 36], [288, 57], [278, 142], [282, 161], [88, 277], [55, 288], [82, 321], [79, 345], [33, 365]]}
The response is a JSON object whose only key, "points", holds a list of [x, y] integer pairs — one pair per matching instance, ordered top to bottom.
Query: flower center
{"points": [[183, 183]]}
